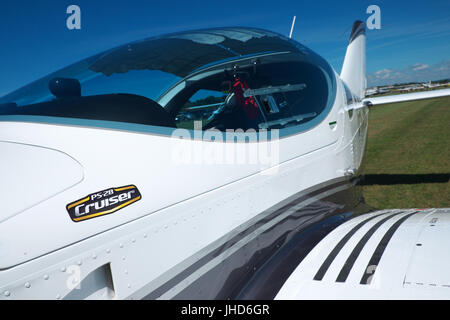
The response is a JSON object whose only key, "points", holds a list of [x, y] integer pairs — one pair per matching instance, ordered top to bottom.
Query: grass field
{"points": [[407, 163]]}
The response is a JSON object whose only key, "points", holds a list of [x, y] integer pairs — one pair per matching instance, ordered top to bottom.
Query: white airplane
{"points": [[430, 85], [376, 90], [371, 91], [112, 190]]}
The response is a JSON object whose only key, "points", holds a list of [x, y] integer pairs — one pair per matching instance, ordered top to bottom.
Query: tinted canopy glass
{"points": [[227, 78]]}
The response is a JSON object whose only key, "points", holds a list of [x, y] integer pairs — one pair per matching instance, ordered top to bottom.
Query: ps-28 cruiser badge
{"points": [[103, 202]]}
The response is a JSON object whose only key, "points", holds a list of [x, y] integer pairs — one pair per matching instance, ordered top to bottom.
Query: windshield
{"points": [[176, 79]]}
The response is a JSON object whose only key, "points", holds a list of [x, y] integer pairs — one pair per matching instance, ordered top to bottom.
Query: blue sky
{"points": [[412, 45]]}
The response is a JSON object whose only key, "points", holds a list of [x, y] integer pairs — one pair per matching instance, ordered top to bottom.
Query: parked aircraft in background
{"points": [[431, 85], [377, 90]]}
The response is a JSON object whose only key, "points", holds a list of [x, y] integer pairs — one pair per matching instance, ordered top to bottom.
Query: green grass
{"points": [[410, 139]]}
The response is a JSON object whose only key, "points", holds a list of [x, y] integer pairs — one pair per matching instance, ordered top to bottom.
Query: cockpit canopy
{"points": [[228, 78]]}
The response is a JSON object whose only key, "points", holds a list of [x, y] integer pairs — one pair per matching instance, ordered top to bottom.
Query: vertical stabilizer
{"points": [[354, 68]]}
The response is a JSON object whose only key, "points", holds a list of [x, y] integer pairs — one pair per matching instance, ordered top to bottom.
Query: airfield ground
{"points": [[407, 163]]}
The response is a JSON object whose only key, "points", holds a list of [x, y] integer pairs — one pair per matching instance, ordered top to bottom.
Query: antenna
{"points": [[292, 28]]}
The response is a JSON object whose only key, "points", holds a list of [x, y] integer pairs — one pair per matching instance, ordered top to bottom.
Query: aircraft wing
{"points": [[408, 96], [388, 254]]}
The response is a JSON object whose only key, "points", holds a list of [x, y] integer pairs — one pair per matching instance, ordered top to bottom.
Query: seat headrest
{"points": [[65, 87]]}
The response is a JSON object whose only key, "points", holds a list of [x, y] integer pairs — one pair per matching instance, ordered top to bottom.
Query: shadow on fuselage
{"points": [[392, 179]]}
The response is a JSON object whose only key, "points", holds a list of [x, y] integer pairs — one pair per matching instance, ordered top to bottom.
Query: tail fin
{"points": [[354, 68]]}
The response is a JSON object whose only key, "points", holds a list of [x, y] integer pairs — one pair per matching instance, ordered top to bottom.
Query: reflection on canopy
{"points": [[180, 54], [151, 66]]}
